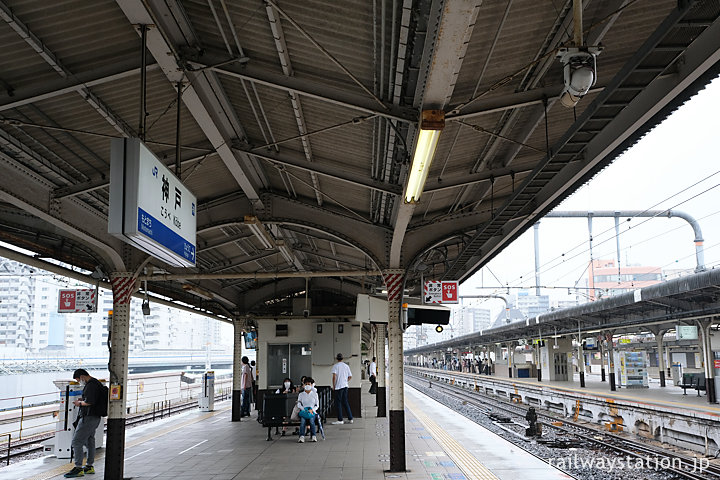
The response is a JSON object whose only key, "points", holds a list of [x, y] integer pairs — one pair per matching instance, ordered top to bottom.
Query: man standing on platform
{"points": [[372, 370], [341, 376], [246, 386], [93, 406]]}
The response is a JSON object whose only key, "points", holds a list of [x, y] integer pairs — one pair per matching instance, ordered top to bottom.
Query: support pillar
{"points": [[394, 280], [123, 285], [659, 334], [510, 348], [602, 360], [611, 360], [581, 362], [709, 369], [237, 371], [380, 397]]}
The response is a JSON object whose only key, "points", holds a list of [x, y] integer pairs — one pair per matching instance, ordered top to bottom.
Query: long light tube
{"points": [[430, 127], [422, 159], [259, 231]]}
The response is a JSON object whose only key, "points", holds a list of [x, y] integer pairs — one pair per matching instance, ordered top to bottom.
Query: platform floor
{"points": [[207, 445]]}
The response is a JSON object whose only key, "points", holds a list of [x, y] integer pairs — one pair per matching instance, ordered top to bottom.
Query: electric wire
{"points": [[561, 257]]}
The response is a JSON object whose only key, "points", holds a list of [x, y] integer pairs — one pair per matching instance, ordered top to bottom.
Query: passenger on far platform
{"points": [[341, 376], [246, 386], [308, 403]]}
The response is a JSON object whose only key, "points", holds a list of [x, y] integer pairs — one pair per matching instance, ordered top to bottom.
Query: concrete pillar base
{"points": [[710, 390], [381, 402], [236, 405], [397, 441], [115, 449]]}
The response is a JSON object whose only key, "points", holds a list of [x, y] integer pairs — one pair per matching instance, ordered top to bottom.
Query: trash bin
{"points": [[676, 373]]}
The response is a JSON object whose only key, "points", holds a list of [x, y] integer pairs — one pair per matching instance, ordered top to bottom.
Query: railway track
{"points": [[683, 466]]}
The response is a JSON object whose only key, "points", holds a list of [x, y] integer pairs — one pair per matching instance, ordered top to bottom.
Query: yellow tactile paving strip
{"points": [[471, 467], [61, 469]]}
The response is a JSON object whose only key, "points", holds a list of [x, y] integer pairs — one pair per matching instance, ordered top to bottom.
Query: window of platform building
{"points": [[291, 360]]}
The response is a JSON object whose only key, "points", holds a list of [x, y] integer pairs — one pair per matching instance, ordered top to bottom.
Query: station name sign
{"points": [[150, 208]]}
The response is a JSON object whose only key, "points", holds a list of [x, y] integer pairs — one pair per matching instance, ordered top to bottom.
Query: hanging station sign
{"points": [[150, 208], [440, 292], [77, 301]]}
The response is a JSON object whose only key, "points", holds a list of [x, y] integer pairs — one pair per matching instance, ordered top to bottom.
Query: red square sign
{"points": [[450, 291], [66, 301]]}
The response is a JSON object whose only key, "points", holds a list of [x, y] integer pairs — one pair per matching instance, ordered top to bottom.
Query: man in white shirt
{"points": [[372, 370], [341, 376]]}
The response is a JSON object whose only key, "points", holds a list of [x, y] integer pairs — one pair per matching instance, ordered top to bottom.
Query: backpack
{"points": [[102, 407]]}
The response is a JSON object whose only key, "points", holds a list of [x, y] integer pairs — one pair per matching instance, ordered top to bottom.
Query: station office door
{"points": [[291, 360]]}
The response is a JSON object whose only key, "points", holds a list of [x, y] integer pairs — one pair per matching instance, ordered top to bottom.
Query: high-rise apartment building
{"points": [[29, 322]]}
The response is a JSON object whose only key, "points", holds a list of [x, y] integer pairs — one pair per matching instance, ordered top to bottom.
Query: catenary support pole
{"points": [[394, 282], [123, 287], [237, 371], [381, 399]]}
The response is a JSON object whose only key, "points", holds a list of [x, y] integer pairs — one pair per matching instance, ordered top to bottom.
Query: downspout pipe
{"points": [[699, 249]]}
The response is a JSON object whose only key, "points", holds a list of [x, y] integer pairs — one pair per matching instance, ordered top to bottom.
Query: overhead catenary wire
{"points": [[563, 257]]}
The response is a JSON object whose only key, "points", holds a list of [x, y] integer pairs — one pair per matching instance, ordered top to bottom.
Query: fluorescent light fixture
{"points": [[431, 124], [258, 229], [285, 251]]}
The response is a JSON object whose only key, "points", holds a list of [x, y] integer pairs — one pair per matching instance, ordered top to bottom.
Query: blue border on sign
{"points": [[154, 229]]}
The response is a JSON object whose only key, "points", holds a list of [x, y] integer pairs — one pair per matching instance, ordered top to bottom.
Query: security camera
{"points": [[579, 73], [146, 308], [306, 313]]}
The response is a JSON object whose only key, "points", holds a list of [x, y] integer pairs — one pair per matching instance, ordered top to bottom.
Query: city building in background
{"points": [[605, 278], [30, 324]]}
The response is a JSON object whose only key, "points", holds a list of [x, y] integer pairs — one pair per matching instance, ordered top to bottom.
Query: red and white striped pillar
{"points": [[394, 280], [124, 285]]}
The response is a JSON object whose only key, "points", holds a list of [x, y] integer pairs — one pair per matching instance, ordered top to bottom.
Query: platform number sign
{"points": [[450, 292], [77, 301]]}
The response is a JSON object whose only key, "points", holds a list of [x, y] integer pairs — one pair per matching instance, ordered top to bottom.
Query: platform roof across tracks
{"points": [[305, 116]]}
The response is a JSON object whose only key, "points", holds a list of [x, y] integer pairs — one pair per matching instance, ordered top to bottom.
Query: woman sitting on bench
{"points": [[308, 403]]}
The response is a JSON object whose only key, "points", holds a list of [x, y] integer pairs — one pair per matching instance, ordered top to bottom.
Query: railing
{"points": [[157, 397]]}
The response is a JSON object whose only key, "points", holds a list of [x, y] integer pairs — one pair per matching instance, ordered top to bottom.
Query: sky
{"points": [[675, 166]]}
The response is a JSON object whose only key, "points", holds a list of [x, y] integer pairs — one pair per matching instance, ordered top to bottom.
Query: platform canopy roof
{"points": [[305, 116], [657, 308]]}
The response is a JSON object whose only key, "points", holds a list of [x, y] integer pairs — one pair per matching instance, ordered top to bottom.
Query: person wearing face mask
{"points": [[287, 387], [308, 403], [93, 406]]}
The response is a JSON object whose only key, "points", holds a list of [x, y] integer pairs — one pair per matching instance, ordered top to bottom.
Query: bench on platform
{"points": [[695, 381], [278, 407]]}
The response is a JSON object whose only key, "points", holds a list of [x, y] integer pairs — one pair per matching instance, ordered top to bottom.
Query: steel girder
{"points": [[566, 168]]}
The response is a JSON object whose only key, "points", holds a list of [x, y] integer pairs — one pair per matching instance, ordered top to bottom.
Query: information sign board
{"points": [[150, 208], [432, 292], [77, 301], [686, 332]]}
